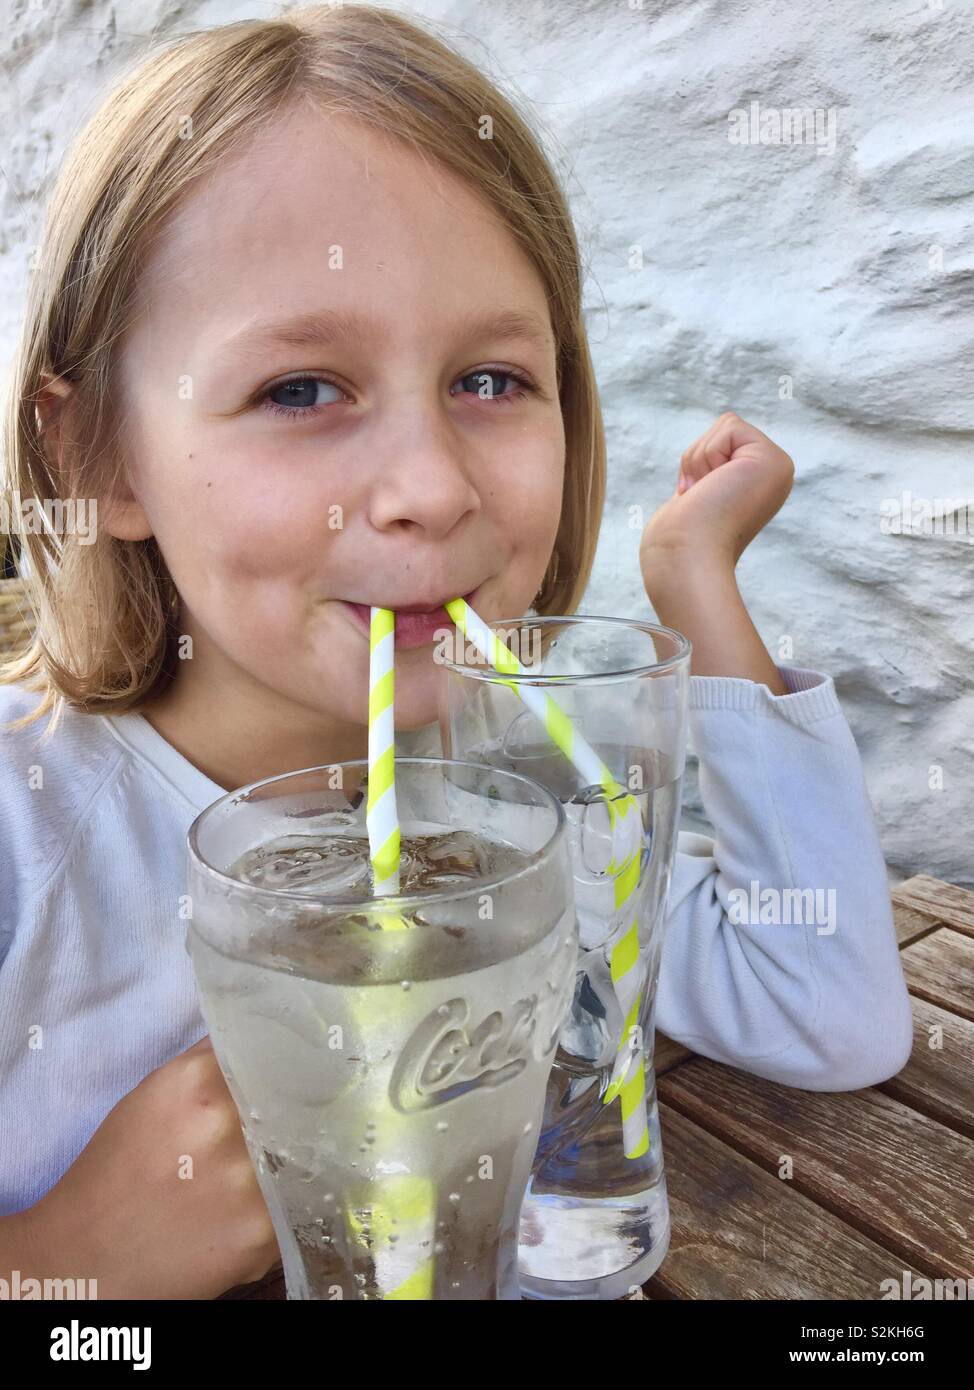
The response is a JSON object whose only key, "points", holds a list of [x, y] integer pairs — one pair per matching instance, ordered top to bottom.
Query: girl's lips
{"points": [[412, 629]]}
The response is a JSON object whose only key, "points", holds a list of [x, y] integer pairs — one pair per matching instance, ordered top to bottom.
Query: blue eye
{"points": [[483, 383], [300, 396]]}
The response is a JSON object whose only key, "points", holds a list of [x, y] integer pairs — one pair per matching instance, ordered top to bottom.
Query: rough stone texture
{"points": [[851, 273]]}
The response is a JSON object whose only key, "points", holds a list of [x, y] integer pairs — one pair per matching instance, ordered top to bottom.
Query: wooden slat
{"points": [[934, 898], [911, 925], [940, 969], [668, 1054], [939, 1081], [900, 1178], [741, 1233]]}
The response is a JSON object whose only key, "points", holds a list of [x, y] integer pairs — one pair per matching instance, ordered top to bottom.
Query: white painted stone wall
{"points": [[823, 292]]}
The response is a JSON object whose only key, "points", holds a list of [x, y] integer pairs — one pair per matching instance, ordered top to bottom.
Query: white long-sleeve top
{"points": [[97, 988]]}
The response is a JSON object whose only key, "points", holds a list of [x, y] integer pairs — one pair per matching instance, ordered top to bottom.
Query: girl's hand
{"points": [[731, 483], [122, 1214]]}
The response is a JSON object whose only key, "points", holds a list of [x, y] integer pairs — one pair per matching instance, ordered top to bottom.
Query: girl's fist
{"points": [[731, 482]]}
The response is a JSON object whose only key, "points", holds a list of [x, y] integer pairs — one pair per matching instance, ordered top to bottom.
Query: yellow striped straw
{"points": [[381, 817], [628, 1078], [395, 1218], [399, 1233]]}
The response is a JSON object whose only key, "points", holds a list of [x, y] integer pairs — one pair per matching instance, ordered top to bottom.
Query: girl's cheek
{"points": [[533, 476], [536, 509]]}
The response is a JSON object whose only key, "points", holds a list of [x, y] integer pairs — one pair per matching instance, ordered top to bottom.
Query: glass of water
{"points": [[388, 1056], [595, 1223]]}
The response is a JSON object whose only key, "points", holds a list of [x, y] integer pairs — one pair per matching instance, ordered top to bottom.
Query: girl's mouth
{"points": [[414, 627]]}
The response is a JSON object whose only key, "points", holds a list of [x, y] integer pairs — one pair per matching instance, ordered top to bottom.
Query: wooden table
{"points": [[881, 1179]]}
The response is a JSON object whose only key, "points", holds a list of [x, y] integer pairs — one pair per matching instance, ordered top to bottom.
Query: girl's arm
{"points": [[731, 483], [700, 598], [779, 953]]}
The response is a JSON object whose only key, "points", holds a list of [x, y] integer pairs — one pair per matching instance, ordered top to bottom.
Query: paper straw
{"points": [[561, 729], [381, 817], [627, 979], [629, 1073], [395, 1219], [399, 1233]]}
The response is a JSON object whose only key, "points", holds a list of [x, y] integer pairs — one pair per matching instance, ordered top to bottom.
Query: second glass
{"points": [[595, 1222]]}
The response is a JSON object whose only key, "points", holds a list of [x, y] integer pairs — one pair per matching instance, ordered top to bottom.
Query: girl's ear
{"points": [[49, 404], [121, 514]]}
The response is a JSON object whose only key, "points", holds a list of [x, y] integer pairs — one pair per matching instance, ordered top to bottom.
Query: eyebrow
{"points": [[337, 326]]}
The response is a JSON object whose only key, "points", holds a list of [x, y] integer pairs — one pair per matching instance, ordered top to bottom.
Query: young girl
{"points": [[307, 324]]}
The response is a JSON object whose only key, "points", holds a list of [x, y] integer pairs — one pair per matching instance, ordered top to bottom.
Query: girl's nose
{"points": [[422, 482]]}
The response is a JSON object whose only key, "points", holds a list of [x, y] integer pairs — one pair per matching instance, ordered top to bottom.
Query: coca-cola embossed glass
{"points": [[388, 1056]]}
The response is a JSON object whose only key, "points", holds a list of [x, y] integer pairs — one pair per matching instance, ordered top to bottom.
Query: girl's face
{"points": [[340, 390]]}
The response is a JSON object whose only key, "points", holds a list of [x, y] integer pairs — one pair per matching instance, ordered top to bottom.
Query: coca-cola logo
{"points": [[444, 1058]]}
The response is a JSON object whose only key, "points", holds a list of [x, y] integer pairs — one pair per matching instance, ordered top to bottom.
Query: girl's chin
{"points": [[417, 696]]}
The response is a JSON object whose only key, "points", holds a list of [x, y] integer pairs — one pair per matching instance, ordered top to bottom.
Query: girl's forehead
{"points": [[320, 194], [322, 211]]}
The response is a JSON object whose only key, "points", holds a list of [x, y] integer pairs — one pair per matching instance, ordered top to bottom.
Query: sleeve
{"points": [[8, 902], [779, 952]]}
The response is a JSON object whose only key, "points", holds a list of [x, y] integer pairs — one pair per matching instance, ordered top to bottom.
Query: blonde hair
{"points": [[105, 614]]}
